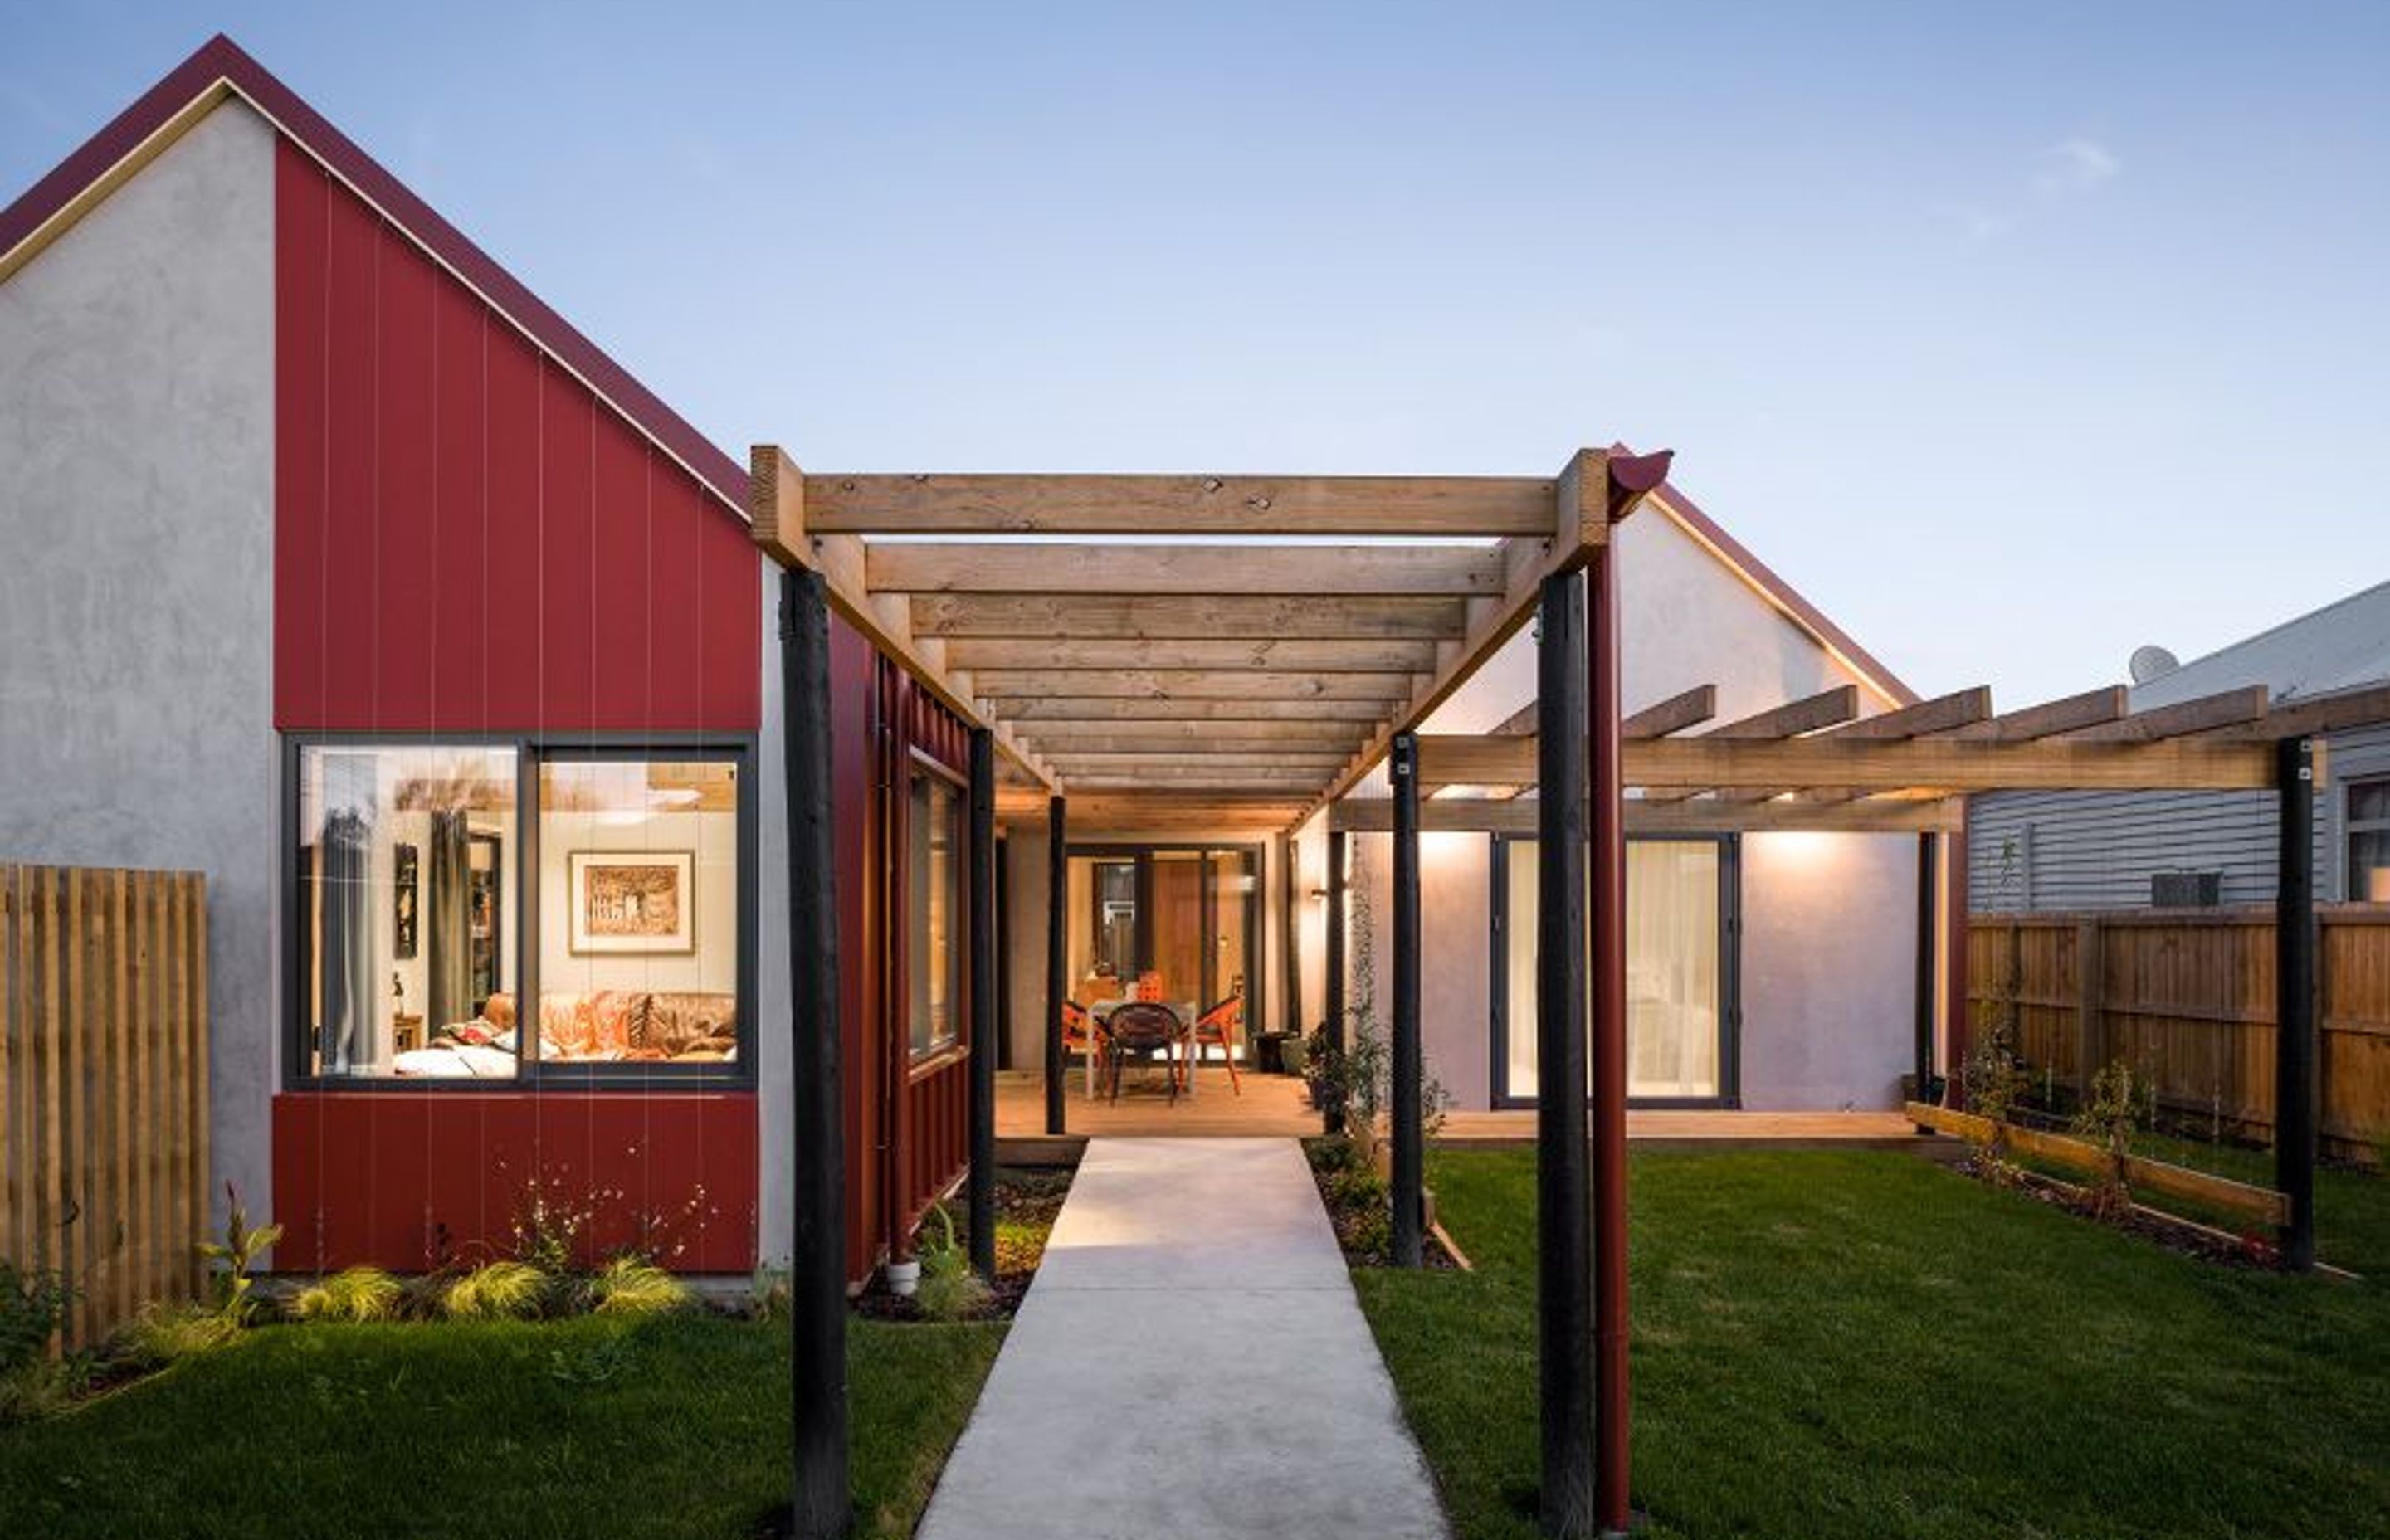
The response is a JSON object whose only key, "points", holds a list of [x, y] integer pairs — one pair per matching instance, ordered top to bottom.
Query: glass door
{"points": [[1183, 918], [1679, 969]]}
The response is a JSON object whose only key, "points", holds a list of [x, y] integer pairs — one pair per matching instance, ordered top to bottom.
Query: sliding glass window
{"points": [[1680, 895], [405, 920], [934, 937]]}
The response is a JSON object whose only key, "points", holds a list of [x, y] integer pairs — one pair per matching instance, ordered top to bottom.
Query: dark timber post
{"points": [[1606, 833], [1928, 926], [1289, 953], [1058, 963], [983, 1003], [1332, 1025], [2296, 1084], [1410, 1178], [1563, 1215], [819, 1508]]}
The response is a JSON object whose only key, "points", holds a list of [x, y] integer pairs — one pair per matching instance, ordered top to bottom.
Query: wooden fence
{"points": [[2187, 997], [103, 1083]]}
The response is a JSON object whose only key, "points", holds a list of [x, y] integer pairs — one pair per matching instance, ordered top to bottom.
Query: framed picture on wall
{"points": [[631, 902], [402, 910]]}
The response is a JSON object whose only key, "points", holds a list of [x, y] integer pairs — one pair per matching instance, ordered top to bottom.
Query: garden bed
{"points": [[1355, 1194], [1027, 1202]]}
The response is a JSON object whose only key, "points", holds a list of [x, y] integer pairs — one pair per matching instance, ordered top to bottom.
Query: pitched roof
{"points": [[221, 71], [1787, 599], [2342, 645]]}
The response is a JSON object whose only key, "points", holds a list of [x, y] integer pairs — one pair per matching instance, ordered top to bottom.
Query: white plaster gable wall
{"points": [[136, 510], [1828, 939]]}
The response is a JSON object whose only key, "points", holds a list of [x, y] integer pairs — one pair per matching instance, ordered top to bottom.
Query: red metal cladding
{"points": [[467, 538], [408, 1180]]}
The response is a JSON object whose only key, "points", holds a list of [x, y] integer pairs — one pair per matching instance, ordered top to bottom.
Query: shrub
{"points": [[1996, 1080], [634, 1286], [506, 1290], [355, 1294], [767, 1294], [32, 1306]]}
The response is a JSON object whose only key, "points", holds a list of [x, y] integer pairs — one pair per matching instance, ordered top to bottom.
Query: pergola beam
{"points": [[1038, 504], [1063, 569], [1113, 617], [1229, 655], [1092, 684], [2226, 708], [1120, 709], [1675, 714], [1943, 766], [1484, 816]]}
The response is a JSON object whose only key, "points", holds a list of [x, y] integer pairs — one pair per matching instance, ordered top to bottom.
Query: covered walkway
{"points": [[1191, 1361]]}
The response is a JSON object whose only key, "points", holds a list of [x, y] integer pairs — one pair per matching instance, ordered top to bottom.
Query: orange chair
{"points": [[1221, 1024], [1083, 1035]]}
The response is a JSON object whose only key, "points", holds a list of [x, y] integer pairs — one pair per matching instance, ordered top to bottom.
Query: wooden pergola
{"points": [[1222, 653]]}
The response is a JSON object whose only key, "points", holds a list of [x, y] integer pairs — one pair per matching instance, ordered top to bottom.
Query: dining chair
{"points": [[1221, 1022], [1146, 1028], [1083, 1035]]}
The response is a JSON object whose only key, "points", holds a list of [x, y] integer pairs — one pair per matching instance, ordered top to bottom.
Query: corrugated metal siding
{"points": [[2098, 849]]}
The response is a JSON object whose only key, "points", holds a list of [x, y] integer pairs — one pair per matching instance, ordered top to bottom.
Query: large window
{"points": [[2368, 842], [438, 888], [639, 902], [386, 921], [933, 935], [1679, 969]]}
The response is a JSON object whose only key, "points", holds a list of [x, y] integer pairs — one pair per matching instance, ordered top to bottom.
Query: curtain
{"points": [[449, 922], [348, 1044]]}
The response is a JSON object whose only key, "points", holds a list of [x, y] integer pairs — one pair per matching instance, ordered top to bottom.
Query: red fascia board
{"points": [[222, 61], [1786, 598]]}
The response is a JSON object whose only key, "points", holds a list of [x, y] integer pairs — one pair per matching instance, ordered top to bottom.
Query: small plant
{"points": [[1996, 1080], [2110, 1116], [550, 1228], [234, 1256], [633, 1285], [504, 1289], [949, 1289], [353, 1294], [767, 1294], [34, 1304], [164, 1334], [594, 1364]]}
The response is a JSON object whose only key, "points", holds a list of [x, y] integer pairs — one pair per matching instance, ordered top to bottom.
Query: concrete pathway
{"points": [[1191, 1361]]}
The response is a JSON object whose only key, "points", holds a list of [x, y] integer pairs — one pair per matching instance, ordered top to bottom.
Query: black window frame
{"points": [[1256, 856], [532, 1072], [1730, 1093]]}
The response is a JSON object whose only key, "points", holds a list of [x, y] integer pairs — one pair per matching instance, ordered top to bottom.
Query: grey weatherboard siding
{"points": [[2098, 849]]}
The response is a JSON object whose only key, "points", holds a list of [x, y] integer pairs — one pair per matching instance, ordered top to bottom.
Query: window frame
{"points": [[2353, 826], [1256, 857], [958, 1044], [532, 1072], [1730, 1091]]}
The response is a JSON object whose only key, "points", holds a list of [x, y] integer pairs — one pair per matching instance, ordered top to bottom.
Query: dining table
{"points": [[1185, 1010]]}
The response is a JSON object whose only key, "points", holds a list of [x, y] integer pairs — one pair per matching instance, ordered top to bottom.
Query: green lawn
{"points": [[1862, 1344], [673, 1427]]}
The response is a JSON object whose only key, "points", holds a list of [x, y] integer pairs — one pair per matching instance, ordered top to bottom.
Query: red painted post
{"points": [[1606, 863], [1957, 1027]]}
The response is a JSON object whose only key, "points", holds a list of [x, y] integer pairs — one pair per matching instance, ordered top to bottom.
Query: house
{"points": [[345, 572], [360, 580], [2122, 850], [1767, 970]]}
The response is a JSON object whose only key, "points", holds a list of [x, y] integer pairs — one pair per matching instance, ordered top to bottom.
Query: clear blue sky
{"points": [[2015, 335]]}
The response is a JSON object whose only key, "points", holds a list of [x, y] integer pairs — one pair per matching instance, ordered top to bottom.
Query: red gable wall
{"points": [[467, 538]]}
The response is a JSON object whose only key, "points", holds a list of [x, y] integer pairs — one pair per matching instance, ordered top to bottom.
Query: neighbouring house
{"points": [[345, 572], [2125, 850]]}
